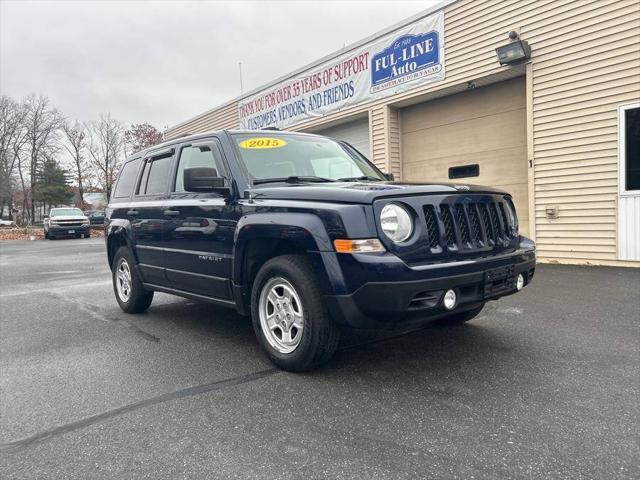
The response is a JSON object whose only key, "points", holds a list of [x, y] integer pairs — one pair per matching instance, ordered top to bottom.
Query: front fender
{"points": [[304, 229]]}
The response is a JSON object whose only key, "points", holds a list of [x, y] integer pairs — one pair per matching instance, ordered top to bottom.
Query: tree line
{"points": [[47, 159]]}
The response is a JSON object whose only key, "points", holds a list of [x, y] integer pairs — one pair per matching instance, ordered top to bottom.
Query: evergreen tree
{"points": [[52, 184]]}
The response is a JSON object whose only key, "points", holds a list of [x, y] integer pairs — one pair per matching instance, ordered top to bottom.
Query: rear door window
{"points": [[155, 175], [126, 179]]}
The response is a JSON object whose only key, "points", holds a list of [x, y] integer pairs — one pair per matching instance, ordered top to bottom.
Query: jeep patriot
{"points": [[305, 235]]}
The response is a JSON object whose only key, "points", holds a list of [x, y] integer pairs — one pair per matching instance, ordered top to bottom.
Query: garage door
{"points": [[486, 126], [356, 133]]}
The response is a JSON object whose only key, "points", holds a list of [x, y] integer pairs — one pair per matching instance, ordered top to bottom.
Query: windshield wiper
{"points": [[293, 179], [356, 179]]}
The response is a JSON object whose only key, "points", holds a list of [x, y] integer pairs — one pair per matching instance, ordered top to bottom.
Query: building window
{"points": [[629, 148], [464, 171]]}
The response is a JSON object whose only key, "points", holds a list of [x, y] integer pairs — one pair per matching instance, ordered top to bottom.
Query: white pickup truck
{"points": [[66, 222]]}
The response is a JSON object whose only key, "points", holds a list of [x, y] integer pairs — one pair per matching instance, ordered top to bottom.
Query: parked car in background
{"points": [[96, 217], [66, 222], [7, 223]]}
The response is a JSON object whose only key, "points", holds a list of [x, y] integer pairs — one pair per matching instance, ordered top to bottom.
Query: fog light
{"points": [[519, 282], [450, 299]]}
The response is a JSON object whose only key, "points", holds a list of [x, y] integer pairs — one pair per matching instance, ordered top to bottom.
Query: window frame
{"points": [[622, 150], [168, 153], [224, 172]]}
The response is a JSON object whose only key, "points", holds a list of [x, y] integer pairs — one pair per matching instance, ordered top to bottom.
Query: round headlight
{"points": [[511, 216], [396, 222]]}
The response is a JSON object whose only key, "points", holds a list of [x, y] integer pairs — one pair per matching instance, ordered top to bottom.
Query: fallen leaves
{"points": [[38, 233]]}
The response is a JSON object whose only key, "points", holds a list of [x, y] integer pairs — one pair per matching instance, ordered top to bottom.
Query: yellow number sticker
{"points": [[263, 142]]}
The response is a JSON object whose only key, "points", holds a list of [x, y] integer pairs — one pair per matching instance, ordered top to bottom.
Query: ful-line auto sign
{"points": [[410, 57], [399, 61]]}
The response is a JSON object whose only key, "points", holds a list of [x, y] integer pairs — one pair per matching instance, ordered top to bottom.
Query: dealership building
{"points": [[540, 98]]}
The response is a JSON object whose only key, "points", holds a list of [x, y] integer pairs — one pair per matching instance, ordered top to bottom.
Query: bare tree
{"points": [[43, 123], [141, 136], [12, 140], [76, 145], [106, 149]]}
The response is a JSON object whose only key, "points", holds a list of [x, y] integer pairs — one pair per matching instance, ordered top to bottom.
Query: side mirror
{"points": [[389, 177], [205, 180], [46, 218]]}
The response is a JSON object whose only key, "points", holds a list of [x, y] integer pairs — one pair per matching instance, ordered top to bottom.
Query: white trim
{"points": [[622, 161]]}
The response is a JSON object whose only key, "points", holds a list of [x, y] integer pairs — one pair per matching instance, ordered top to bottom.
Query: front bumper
{"points": [[62, 231], [387, 300]]}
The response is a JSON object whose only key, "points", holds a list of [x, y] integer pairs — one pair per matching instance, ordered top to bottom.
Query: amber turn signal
{"points": [[369, 245]]}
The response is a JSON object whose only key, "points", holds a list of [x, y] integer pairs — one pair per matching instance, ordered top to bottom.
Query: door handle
{"points": [[133, 213], [171, 213]]}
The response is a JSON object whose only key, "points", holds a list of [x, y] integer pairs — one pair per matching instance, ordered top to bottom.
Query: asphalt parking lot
{"points": [[545, 384]]}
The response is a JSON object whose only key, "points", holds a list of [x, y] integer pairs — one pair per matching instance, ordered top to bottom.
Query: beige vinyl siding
{"points": [[581, 73], [225, 117], [384, 132], [378, 136], [393, 140]]}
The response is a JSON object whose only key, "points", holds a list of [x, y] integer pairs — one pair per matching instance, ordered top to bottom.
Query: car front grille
{"points": [[447, 220], [68, 223], [432, 225], [468, 225], [455, 226]]}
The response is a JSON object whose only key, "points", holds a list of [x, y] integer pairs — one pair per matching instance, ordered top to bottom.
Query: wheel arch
{"points": [[270, 235], [116, 237]]}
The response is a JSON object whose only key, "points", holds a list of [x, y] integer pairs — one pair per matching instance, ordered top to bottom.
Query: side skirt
{"points": [[192, 296]]}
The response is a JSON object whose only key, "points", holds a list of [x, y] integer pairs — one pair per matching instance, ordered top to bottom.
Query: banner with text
{"points": [[397, 62]]}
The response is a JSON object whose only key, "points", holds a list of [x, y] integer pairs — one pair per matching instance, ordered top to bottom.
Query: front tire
{"points": [[130, 294], [289, 317]]}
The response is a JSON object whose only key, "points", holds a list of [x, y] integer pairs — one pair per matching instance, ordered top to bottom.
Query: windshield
{"points": [[301, 157], [61, 212]]}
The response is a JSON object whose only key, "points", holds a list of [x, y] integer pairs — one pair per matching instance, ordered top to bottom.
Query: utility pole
{"points": [[241, 87]]}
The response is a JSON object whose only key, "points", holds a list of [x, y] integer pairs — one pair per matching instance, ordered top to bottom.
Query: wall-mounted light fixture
{"points": [[514, 52]]}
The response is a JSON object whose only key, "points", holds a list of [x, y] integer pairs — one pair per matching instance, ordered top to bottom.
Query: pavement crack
{"points": [[18, 445]]}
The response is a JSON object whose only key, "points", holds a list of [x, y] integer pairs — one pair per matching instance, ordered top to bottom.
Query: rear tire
{"points": [[127, 286], [289, 317], [461, 317]]}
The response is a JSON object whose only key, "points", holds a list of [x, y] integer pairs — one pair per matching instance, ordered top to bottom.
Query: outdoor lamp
{"points": [[513, 52]]}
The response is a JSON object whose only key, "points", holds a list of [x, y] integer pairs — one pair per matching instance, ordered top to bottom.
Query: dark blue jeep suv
{"points": [[304, 234]]}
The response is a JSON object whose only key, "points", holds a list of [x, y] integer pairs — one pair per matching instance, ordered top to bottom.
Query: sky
{"points": [[163, 62]]}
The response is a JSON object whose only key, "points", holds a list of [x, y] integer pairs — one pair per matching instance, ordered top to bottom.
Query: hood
{"points": [[361, 192]]}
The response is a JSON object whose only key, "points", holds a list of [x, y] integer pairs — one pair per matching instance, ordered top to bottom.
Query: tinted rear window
{"points": [[154, 178], [127, 179]]}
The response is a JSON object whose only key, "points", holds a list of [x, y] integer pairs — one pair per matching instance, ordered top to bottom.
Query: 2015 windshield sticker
{"points": [[262, 142]]}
